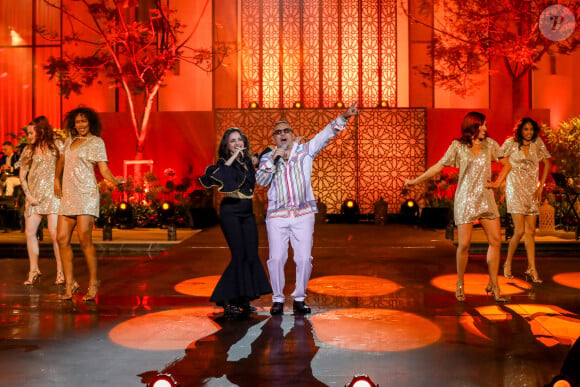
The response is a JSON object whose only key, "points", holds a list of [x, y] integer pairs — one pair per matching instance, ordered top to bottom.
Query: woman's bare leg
{"points": [[32, 223], [519, 229], [64, 230]]}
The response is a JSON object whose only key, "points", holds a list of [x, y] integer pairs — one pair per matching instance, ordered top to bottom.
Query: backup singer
{"points": [[525, 151], [473, 153], [37, 168], [76, 186], [291, 205], [244, 279]]}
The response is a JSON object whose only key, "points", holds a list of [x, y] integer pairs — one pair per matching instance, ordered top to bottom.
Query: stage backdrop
{"points": [[379, 149]]}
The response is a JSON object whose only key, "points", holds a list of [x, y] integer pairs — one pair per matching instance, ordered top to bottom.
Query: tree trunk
{"points": [[520, 97]]}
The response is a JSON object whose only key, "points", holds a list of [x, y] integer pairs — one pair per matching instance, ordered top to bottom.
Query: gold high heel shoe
{"points": [[507, 271], [533, 275], [33, 277], [59, 278], [71, 289], [92, 291], [460, 292], [495, 292]]}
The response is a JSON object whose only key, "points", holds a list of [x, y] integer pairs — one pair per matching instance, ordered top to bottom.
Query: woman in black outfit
{"points": [[244, 279]]}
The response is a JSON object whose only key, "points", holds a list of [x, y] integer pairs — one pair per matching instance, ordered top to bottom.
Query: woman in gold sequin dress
{"points": [[473, 154], [37, 166], [76, 185], [523, 194]]}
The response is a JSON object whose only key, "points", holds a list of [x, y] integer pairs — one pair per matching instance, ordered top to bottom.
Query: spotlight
{"points": [[383, 104], [253, 105], [298, 105], [339, 105], [350, 211], [410, 211], [165, 214], [124, 216], [163, 380], [361, 381]]}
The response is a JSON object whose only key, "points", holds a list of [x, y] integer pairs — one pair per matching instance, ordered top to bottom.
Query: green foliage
{"points": [[564, 143]]}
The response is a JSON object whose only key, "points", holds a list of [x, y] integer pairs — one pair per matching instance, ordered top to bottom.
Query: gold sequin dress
{"points": [[41, 166], [522, 180], [80, 193], [472, 200]]}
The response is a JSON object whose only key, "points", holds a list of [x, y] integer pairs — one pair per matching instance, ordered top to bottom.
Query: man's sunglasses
{"points": [[278, 132]]}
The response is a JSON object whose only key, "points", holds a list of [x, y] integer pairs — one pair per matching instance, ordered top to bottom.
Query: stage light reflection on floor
{"points": [[571, 280], [475, 284], [352, 286], [198, 287], [551, 325], [168, 330], [374, 330]]}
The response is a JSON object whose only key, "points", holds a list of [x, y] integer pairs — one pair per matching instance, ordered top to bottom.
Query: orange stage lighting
{"points": [[383, 104], [253, 105], [298, 105], [339, 105], [349, 203], [123, 206], [165, 206], [572, 280], [475, 284], [352, 286], [198, 287], [551, 325], [173, 329], [374, 330]]}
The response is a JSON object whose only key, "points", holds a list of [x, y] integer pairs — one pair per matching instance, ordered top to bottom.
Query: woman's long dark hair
{"points": [[95, 126], [470, 127], [44, 135], [519, 137], [223, 151]]}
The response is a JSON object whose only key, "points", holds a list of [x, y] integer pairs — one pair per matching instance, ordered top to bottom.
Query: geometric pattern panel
{"points": [[318, 52], [379, 149]]}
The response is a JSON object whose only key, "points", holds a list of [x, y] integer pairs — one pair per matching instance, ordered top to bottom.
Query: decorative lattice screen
{"points": [[318, 52], [374, 155]]}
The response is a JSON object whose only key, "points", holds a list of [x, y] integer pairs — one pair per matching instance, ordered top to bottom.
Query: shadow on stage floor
{"points": [[382, 304]]}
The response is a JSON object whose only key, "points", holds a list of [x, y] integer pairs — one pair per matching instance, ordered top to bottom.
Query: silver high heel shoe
{"points": [[532, 274], [33, 277]]}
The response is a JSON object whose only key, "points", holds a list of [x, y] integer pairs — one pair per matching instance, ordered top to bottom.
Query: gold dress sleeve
{"points": [[473, 200]]}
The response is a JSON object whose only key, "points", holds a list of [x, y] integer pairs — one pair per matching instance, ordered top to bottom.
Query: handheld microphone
{"points": [[280, 156]]}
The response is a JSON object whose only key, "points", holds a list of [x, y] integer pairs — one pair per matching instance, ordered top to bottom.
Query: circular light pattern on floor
{"points": [[571, 280], [475, 284], [352, 286], [198, 287], [168, 330], [374, 330]]}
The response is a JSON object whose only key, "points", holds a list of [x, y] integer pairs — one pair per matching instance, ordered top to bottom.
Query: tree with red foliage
{"points": [[472, 33], [134, 55]]}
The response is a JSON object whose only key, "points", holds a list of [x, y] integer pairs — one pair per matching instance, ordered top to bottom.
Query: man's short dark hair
{"points": [[7, 143]]}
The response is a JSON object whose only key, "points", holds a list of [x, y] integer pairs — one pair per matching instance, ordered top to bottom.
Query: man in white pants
{"points": [[291, 205]]}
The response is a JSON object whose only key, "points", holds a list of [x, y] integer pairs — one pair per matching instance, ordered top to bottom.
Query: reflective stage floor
{"points": [[382, 301]]}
